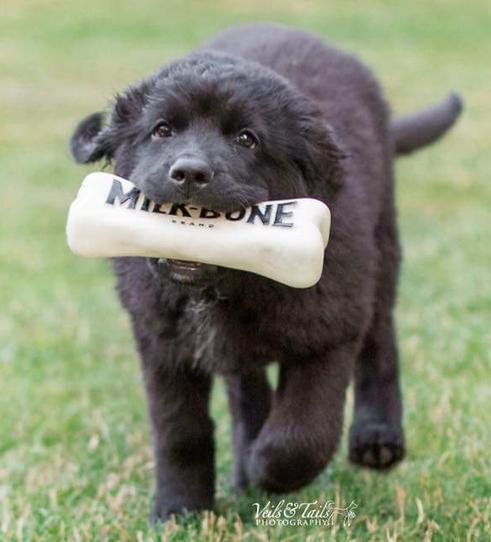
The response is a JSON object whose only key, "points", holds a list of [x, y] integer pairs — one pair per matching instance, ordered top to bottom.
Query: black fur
{"points": [[418, 130], [324, 131]]}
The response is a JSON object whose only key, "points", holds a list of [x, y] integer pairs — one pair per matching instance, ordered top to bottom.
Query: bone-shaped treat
{"points": [[283, 240]]}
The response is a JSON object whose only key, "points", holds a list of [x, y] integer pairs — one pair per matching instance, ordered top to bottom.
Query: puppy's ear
{"points": [[92, 141], [88, 143], [323, 155]]}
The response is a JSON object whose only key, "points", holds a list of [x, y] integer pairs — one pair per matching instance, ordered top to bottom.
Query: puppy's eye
{"points": [[163, 129], [248, 139]]}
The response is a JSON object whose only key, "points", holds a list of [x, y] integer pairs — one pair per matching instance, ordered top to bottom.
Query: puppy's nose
{"points": [[190, 171]]}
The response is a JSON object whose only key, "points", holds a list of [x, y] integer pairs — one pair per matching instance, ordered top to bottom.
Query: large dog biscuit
{"points": [[283, 240]]}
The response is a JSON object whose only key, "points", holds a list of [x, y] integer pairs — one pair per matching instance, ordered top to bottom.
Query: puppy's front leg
{"points": [[304, 427], [183, 439]]}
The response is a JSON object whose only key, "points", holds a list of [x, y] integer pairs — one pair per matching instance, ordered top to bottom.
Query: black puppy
{"points": [[265, 112]]}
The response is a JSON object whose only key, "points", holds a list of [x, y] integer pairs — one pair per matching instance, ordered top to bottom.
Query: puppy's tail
{"points": [[411, 132]]}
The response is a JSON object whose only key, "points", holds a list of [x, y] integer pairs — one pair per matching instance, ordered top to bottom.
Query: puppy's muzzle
{"points": [[190, 173]]}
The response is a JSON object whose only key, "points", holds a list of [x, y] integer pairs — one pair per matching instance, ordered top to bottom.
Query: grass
{"points": [[75, 456]]}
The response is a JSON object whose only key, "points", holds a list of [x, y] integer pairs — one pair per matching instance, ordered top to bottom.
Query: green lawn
{"points": [[75, 455]]}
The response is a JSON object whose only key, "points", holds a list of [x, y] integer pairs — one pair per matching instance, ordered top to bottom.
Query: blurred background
{"points": [[75, 461]]}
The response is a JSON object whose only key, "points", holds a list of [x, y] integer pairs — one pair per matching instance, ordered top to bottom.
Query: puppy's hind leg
{"points": [[250, 400], [376, 435]]}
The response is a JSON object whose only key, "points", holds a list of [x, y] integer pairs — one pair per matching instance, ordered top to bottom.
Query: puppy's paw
{"points": [[376, 445], [281, 467], [164, 508]]}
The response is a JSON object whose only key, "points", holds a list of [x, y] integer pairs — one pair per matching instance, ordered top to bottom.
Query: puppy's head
{"points": [[214, 131]]}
